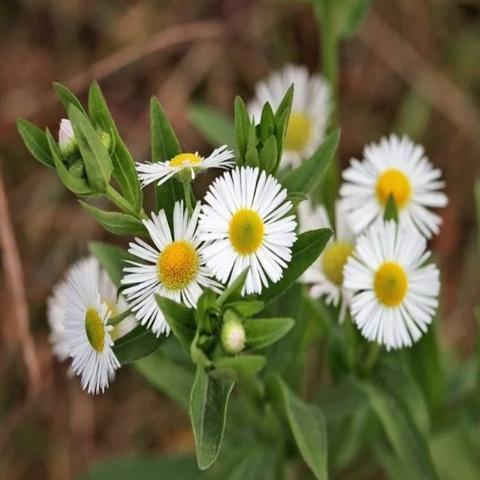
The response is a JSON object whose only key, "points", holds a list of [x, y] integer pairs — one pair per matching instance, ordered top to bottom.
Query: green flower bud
{"points": [[105, 139]]}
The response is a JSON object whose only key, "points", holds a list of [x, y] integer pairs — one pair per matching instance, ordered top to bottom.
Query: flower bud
{"points": [[66, 138], [105, 139], [233, 336]]}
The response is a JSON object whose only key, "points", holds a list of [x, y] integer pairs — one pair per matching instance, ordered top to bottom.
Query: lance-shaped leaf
{"points": [[67, 97], [286, 104], [267, 125], [215, 126], [242, 129], [36, 142], [269, 154], [95, 156], [124, 170], [309, 175], [77, 185], [115, 222], [306, 250], [112, 259], [234, 290], [246, 308], [180, 319], [261, 332], [137, 344], [237, 368], [208, 412], [307, 424], [410, 446]]}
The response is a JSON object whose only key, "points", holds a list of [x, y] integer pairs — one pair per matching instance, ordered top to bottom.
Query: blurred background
{"points": [[413, 68]]}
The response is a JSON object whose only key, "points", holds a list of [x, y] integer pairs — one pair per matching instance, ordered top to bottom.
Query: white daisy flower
{"points": [[310, 113], [66, 138], [184, 164], [399, 167], [244, 220], [173, 268], [326, 275], [395, 294], [56, 310], [86, 326]]}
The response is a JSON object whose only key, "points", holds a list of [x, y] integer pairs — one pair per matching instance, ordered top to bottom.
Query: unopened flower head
{"points": [[310, 110], [66, 138], [184, 166], [398, 167], [246, 224], [174, 267], [325, 276], [395, 294], [85, 321], [233, 336]]}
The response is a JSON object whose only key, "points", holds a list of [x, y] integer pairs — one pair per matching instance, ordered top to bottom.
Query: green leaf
{"points": [[355, 11], [67, 97], [286, 103], [267, 123], [215, 126], [242, 128], [36, 142], [165, 144], [269, 154], [251, 155], [96, 159], [124, 170], [308, 175], [77, 185], [296, 197], [391, 211], [115, 222], [306, 250], [112, 259], [234, 290], [246, 308], [180, 320], [261, 332], [136, 344], [237, 368], [167, 376], [208, 411], [306, 423], [410, 447], [173, 467]]}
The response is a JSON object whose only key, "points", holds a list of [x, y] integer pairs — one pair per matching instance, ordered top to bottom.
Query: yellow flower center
{"points": [[298, 133], [185, 159], [395, 182], [246, 231], [334, 259], [177, 265], [390, 284], [95, 329]]}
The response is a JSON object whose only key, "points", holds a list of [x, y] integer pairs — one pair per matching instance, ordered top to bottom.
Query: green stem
{"points": [[187, 193], [121, 203], [113, 321], [372, 356]]}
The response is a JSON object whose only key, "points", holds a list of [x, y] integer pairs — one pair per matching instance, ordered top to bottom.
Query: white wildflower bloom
{"points": [[310, 113], [66, 138], [184, 164], [399, 167], [246, 224], [174, 267], [325, 276], [395, 295], [56, 315], [86, 325]]}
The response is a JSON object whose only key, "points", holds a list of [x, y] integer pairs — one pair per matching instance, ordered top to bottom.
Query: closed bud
{"points": [[66, 138], [105, 139], [233, 336]]}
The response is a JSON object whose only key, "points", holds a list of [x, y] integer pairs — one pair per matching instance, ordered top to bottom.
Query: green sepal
{"points": [[36, 142], [116, 222], [262, 332]]}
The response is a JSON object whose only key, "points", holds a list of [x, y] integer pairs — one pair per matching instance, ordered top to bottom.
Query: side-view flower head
{"points": [[310, 110], [66, 138], [188, 164], [399, 167], [246, 224], [174, 267], [325, 276], [395, 294]]}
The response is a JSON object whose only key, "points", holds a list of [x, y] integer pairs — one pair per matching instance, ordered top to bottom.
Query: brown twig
{"points": [[124, 58], [405, 61], [15, 288]]}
